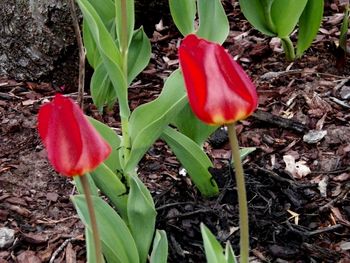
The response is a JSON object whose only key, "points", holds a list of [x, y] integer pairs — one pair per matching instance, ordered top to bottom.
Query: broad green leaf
{"points": [[105, 9], [257, 12], [183, 13], [285, 15], [130, 18], [213, 22], [309, 24], [92, 54], [110, 54], [139, 54], [102, 90], [149, 120], [191, 126], [113, 140], [194, 160], [111, 186], [93, 188], [141, 215], [118, 244], [90, 247], [160, 248], [213, 249], [229, 254]]}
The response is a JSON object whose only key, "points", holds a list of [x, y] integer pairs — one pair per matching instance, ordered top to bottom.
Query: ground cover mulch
{"points": [[298, 179]]}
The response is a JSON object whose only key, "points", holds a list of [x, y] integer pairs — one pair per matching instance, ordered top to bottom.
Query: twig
{"points": [[81, 54], [272, 75], [279, 121], [337, 171], [279, 178], [342, 195], [174, 204], [200, 211], [314, 232], [61, 247]]}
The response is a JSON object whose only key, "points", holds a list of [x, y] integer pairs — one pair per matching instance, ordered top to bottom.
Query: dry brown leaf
{"points": [[296, 169]]}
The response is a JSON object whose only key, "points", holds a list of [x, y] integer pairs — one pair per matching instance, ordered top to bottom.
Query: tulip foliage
{"points": [[280, 17], [118, 53], [78, 145]]}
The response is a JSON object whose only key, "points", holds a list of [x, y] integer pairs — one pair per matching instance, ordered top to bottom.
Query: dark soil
{"points": [[295, 215]]}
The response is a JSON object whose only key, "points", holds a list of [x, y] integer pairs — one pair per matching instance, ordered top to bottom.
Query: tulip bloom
{"points": [[219, 91], [73, 145]]}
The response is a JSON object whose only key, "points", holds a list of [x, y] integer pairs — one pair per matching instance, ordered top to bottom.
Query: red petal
{"points": [[218, 89], [73, 146]]}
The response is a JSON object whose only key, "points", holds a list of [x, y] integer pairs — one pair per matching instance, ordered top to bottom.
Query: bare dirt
{"points": [[297, 185]]}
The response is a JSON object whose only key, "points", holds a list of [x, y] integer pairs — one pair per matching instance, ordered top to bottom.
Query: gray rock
{"points": [[37, 40], [7, 236]]}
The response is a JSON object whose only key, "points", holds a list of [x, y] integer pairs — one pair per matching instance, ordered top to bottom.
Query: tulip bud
{"points": [[218, 89], [73, 145]]}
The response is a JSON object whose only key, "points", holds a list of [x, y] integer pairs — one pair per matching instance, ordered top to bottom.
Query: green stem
{"points": [[124, 29], [124, 45], [288, 48], [125, 139], [242, 195], [94, 228]]}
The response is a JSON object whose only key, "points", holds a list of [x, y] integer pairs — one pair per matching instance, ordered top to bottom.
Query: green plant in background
{"points": [[280, 17], [341, 49], [213, 250]]}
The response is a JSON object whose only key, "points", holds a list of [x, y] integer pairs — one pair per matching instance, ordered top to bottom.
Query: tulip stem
{"points": [[288, 48], [242, 195], [94, 228]]}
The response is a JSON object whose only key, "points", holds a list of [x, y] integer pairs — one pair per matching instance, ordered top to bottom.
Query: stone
{"points": [[7, 236]]}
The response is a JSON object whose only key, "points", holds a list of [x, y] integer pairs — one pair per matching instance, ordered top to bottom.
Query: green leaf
{"points": [[130, 6], [105, 9], [257, 12], [183, 13], [285, 15], [213, 22], [309, 24], [344, 30], [109, 52], [92, 54], [139, 54], [102, 90], [149, 120], [191, 126], [113, 140], [244, 152], [194, 160], [110, 185], [93, 188], [141, 215], [117, 242], [90, 247], [160, 248], [213, 249], [229, 254]]}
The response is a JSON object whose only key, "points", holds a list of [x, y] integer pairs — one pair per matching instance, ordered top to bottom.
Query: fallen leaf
{"points": [[296, 169], [342, 177], [322, 186], [35, 238], [71, 256], [28, 257]]}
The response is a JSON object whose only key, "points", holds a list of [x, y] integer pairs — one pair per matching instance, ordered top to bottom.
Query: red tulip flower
{"points": [[219, 91], [74, 146]]}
